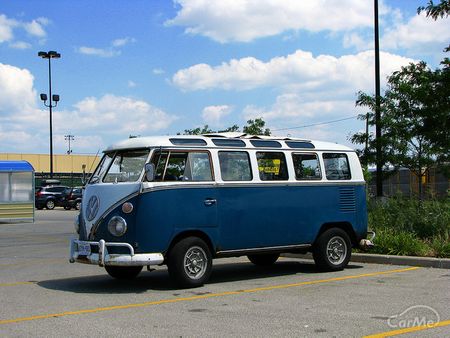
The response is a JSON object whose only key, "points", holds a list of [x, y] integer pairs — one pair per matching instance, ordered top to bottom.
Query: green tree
{"points": [[440, 10], [436, 11], [415, 118], [256, 127], [198, 131]]}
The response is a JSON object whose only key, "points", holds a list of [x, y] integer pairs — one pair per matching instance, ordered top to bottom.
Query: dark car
{"points": [[49, 197], [72, 198]]}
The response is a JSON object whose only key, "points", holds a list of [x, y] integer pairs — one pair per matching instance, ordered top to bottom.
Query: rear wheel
{"points": [[50, 204], [67, 208], [332, 250], [263, 259], [190, 262], [123, 272]]}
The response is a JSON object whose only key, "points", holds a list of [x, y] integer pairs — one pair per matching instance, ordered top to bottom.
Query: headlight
{"points": [[77, 224], [117, 226]]}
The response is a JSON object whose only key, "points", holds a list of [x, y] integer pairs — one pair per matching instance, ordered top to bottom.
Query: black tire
{"points": [[50, 204], [39, 208], [67, 208], [332, 250], [263, 259], [190, 262], [123, 272]]}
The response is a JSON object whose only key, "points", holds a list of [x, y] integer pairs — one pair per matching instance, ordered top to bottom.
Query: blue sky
{"points": [[153, 67]]}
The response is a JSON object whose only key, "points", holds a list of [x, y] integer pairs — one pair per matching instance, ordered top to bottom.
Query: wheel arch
{"points": [[346, 226], [191, 233]]}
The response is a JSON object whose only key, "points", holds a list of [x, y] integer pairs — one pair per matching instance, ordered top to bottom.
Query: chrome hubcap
{"points": [[336, 250], [195, 262]]}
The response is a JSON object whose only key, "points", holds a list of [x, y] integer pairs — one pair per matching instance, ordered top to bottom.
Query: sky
{"points": [[158, 67]]}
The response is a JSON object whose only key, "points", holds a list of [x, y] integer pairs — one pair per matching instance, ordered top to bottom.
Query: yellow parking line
{"points": [[210, 295], [408, 330]]}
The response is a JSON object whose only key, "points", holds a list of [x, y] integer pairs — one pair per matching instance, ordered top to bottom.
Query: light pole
{"points": [[52, 98], [69, 138], [379, 159]]}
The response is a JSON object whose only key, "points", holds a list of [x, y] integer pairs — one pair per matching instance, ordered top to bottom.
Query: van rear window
{"points": [[336, 166]]}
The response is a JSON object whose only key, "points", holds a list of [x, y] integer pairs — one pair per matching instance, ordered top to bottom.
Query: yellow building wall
{"points": [[61, 163]]}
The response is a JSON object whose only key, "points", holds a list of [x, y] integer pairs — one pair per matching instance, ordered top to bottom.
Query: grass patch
{"points": [[410, 227]]}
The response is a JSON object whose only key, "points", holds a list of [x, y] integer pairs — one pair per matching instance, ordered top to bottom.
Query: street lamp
{"points": [[52, 98]]}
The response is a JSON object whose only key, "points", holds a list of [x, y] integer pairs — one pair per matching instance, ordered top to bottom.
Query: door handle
{"points": [[209, 201]]}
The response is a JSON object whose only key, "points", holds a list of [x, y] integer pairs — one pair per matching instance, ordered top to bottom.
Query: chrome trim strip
{"points": [[249, 185], [225, 253]]}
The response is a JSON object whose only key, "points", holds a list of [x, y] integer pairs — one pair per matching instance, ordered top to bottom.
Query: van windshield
{"points": [[126, 166]]}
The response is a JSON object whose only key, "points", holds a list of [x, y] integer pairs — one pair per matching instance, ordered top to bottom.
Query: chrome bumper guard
{"points": [[367, 243], [103, 258]]}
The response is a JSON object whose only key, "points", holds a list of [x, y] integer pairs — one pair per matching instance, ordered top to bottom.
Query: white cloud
{"points": [[246, 20], [6, 28], [34, 28], [418, 33], [358, 41], [122, 42], [20, 45], [111, 51], [106, 53], [158, 71], [300, 71], [131, 84], [16, 90], [119, 115], [212, 115]]}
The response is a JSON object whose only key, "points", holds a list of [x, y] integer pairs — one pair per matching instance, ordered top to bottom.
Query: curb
{"points": [[428, 262]]}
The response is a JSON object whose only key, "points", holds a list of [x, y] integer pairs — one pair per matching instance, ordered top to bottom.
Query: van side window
{"points": [[182, 166], [235, 166], [272, 166], [336, 166], [306, 167]]}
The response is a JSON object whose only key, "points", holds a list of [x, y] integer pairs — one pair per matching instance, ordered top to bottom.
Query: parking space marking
{"points": [[211, 295], [409, 330]]}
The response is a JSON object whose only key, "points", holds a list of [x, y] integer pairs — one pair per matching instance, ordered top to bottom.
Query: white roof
{"points": [[165, 141]]}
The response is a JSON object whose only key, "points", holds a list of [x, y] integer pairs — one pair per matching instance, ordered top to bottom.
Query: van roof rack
{"points": [[249, 136]]}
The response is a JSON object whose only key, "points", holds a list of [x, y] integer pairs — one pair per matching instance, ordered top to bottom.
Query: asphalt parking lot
{"points": [[42, 294]]}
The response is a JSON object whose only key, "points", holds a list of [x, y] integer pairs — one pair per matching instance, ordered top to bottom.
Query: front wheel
{"points": [[50, 204], [332, 250], [263, 259], [190, 262], [123, 272]]}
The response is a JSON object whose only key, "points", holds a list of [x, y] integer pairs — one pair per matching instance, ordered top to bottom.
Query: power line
{"points": [[318, 124]]}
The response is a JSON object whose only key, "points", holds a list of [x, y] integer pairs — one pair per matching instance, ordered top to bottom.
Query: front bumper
{"points": [[103, 258]]}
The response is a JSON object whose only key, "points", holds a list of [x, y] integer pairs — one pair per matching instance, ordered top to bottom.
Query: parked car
{"points": [[49, 197], [72, 198]]}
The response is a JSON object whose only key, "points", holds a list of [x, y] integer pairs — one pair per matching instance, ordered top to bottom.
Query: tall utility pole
{"points": [[52, 98], [69, 138], [379, 160]]}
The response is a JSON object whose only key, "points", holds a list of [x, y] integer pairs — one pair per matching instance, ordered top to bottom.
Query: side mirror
{"points": [[150, 172]]}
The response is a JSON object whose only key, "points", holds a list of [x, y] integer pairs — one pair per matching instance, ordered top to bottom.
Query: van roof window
{"points": [[187, 141], [228, 142], [265, 144], [298, 145]]}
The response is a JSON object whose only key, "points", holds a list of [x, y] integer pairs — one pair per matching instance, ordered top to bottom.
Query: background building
{"points": [[69, 169]]}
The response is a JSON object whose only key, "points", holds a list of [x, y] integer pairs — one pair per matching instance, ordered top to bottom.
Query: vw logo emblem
{"points": [[92, 208]]}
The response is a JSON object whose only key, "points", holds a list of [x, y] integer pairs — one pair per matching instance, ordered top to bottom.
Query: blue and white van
{"points": [[185, 200]]}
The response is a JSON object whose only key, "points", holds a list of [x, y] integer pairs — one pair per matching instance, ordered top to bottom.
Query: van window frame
{"points": [[158, 151], [236, 151], [265, 151], [318, 165], [340, 178]]}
